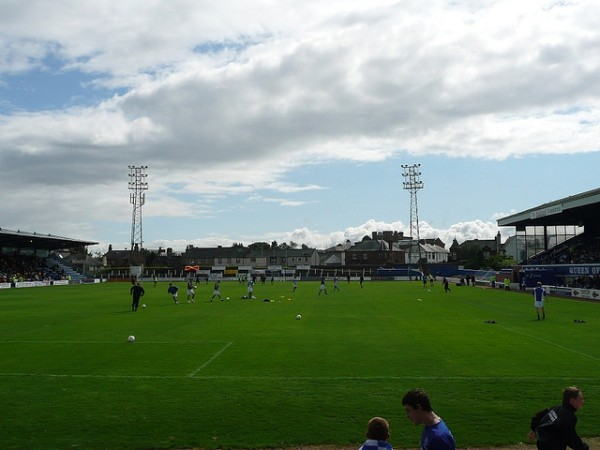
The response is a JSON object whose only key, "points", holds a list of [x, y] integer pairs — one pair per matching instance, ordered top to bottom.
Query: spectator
{"points": [[556, 429], [378, 433], [435, 435]]}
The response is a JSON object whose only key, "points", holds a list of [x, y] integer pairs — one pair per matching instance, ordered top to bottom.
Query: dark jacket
{"points": [[137, 291], [556, 430]]}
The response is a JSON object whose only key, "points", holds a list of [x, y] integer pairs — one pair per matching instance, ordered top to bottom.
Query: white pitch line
{"points": [[123, 342], [577, 352], [216, 355], [271, 378]]}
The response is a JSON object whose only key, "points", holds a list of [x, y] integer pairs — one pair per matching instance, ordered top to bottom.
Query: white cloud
{"points": [[229, 98], [461, 232]]}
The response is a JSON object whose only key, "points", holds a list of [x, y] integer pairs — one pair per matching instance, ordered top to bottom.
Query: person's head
{"points": [[539, 283], [572, 396], [417, 405], [378, 429]]}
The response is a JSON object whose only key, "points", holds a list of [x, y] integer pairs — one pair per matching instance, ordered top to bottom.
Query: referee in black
{"points": [[136, 292]]}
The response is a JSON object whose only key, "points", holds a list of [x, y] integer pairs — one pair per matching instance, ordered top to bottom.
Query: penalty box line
{"points": [[210, 360]]}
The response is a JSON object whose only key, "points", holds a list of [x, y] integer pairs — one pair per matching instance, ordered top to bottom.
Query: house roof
{"points": [[479, 243], [370, 245], [429, 248], [214, 252], [292, 252], [118, 254], [332, 259]]}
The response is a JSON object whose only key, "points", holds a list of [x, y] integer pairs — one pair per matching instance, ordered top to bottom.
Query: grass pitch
{"points": [[247, 374]]}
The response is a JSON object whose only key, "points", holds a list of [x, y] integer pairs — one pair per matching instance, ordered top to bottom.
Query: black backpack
{"points": [[537, 418]]}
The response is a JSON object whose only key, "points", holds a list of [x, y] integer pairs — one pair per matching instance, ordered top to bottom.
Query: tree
{"points": [[259, 246], [83, 251], [477, 261], [500, 261]]}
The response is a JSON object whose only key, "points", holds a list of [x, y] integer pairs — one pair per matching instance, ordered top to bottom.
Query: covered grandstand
{"points": [[544, 227], [558, 242], [27, 243], [27, 256]]}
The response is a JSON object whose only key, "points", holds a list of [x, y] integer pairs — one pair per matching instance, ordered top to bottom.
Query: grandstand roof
{"points": [[580, 209], [24, 239]]}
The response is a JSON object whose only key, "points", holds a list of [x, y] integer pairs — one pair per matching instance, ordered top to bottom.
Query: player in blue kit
{"points": [[173, 291], [539, 294]]}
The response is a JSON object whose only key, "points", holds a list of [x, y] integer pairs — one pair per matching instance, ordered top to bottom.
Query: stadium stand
{"points": [[565, 231], [28, 256]]}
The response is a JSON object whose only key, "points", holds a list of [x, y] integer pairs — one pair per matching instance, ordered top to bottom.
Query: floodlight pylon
{"points": [[137, 184], [412, 184]]}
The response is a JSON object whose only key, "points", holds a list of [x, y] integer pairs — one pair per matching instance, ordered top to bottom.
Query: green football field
{"points": [[246, 374]]}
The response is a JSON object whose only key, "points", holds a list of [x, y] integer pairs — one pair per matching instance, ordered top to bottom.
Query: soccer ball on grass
{"points": [[298, 317], [131, 339]]}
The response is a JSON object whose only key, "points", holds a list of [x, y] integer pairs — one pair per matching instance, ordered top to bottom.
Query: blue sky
{"points": [[291, 122]]}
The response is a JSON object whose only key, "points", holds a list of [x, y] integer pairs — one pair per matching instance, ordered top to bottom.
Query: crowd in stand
{"points": [[581, 250], [587, 253], [27, 268], [584, 282]]}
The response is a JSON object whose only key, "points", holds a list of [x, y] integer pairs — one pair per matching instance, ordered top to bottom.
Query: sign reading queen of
{"points": [[589, 270]]}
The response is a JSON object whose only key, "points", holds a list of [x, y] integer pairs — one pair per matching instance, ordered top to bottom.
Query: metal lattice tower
{"points": [[412, 184], [137, 198]]}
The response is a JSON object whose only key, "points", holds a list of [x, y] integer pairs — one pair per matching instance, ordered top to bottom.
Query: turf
{"points": [[246, 374]]}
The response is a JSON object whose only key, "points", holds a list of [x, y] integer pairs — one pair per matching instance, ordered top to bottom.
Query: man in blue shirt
{"points": [[173, 290], [539, 294], [436, 435]]}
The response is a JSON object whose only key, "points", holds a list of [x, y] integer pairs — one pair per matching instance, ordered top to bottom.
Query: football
{"points": [[144, 305], [298, 317], [131, 339]]}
